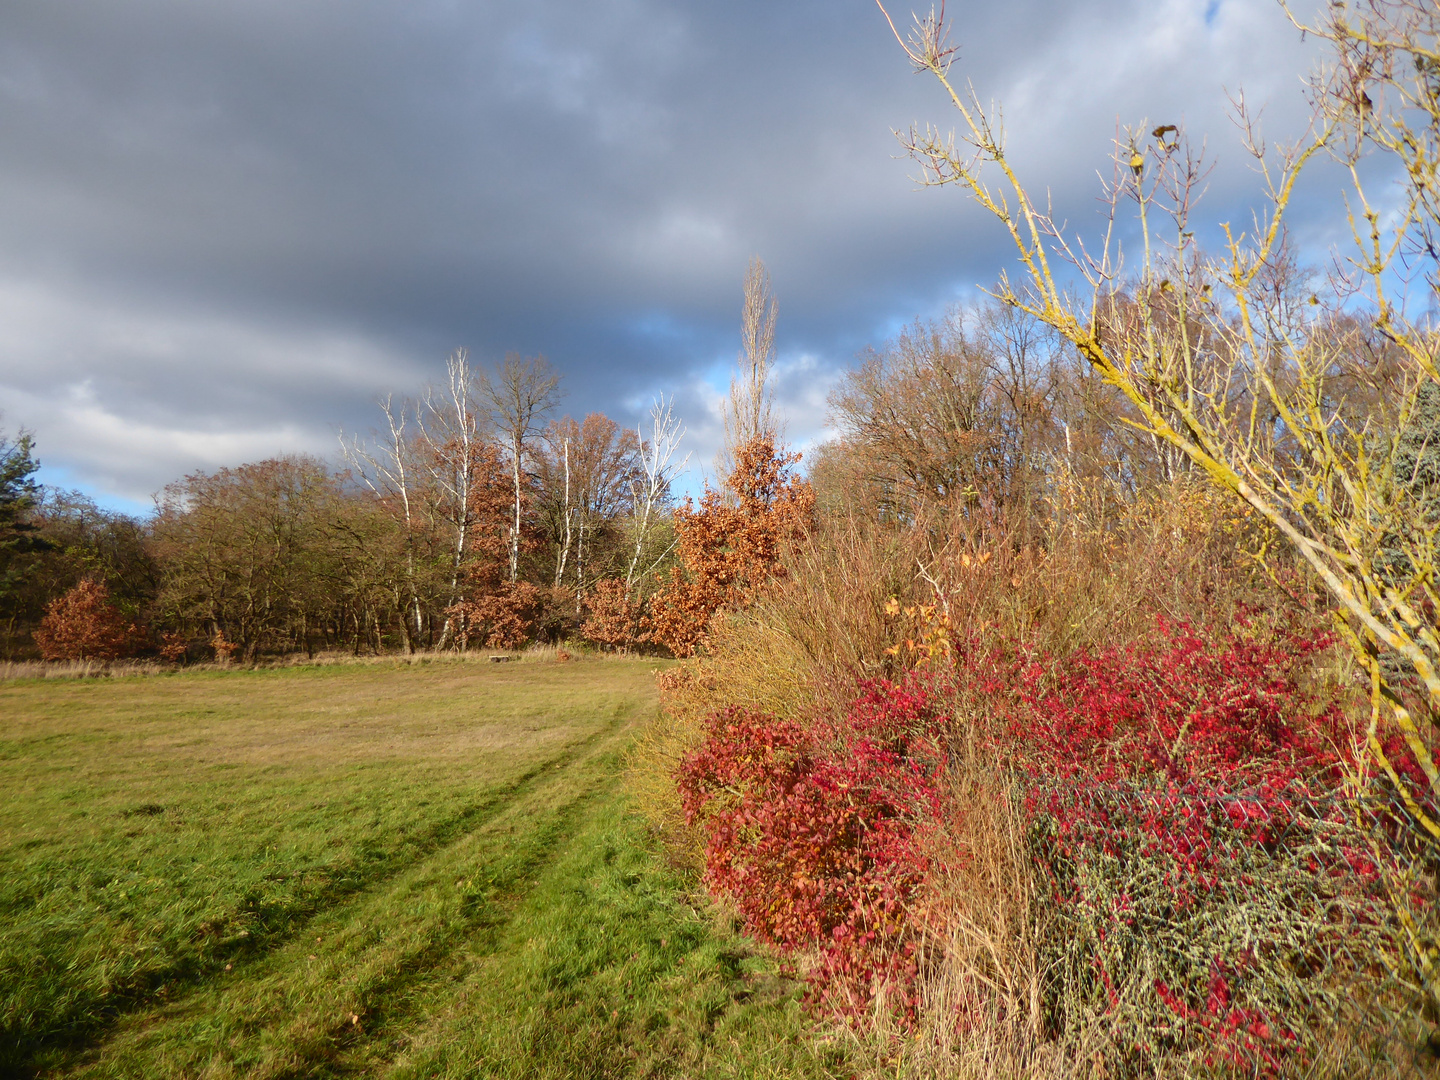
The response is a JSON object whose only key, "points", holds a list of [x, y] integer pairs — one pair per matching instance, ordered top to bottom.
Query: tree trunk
{"points": [[515, 447], [565, 550]]}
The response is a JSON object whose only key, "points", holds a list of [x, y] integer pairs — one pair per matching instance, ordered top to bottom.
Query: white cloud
{"points": [[224, 229], [126, 398]]}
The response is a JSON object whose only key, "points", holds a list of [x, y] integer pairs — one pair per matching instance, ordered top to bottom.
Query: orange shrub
{"points": [[728, 550], [614, 617], [84, 625], [173, 646]]}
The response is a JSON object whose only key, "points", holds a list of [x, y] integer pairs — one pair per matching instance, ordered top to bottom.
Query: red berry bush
{"points": [[1181, 710], [1207, 895], [1208, 898]]}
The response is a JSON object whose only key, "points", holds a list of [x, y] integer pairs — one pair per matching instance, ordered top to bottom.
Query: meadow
{"points": [[373, 869]]}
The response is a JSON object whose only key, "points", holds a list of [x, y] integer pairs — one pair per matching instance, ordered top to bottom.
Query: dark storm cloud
{"points": [[225, 228]]}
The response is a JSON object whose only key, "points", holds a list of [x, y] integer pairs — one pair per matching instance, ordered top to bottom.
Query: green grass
{"points": [[368, 870]]}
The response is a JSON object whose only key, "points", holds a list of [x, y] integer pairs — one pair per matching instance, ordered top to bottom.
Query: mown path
{"points": [[369, 870]]}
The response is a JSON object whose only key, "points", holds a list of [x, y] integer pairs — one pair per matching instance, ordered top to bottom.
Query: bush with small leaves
{"points": [[614, 618], [84, 625], [1182, 811], [816, 834]]}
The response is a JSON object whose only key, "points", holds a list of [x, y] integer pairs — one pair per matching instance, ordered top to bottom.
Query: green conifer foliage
{"points": [[1417, 451], [17, 498]]}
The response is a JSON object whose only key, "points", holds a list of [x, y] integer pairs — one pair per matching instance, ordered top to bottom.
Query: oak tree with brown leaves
{"points": [[727, 552], [491, 608], [614, 618], [84, 625]]}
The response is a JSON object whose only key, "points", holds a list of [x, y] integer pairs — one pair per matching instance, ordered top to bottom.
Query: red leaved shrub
{"points": [[1181, 710], [1182, 813], [815, 834], [1206, 891]]}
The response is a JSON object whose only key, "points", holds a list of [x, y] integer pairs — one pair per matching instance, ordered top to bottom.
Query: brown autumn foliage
{"points": [[728, 550], [492, 609], [503, 618], [615, 618], [84, 625], [173, 646], [223, 647]]}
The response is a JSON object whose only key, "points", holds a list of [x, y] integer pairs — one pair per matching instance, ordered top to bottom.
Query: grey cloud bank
{"points": [[225, 229]]}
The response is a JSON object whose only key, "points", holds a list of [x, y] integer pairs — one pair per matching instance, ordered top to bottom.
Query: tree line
{"points": [[473, 518]]}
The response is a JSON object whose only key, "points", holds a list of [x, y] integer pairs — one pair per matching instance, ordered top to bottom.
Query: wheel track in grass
{"points": [[482, 931], [603, 971], [83, 1038], [305, 1047]]}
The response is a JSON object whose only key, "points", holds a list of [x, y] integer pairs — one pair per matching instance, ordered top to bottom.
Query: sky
{"points": [[227, 229]]}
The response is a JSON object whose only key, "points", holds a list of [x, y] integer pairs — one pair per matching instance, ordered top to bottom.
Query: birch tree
{"points": [[519, 393], [453, 431], [387, 467], [586, 473], [650, 491]]}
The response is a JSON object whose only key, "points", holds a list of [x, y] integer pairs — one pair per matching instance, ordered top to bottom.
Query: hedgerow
{"points": [[1206, 896]]}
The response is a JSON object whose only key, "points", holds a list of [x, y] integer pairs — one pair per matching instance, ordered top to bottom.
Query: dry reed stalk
{"points": [[1102, 566], [831, 602], [748, 663], [82, 669], [981, 986], [984, 990]]}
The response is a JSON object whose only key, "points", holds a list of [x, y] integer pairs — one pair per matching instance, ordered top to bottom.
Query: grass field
{"points": [[367, 870]]}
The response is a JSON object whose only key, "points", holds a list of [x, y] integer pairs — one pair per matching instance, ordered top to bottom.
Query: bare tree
{"points": [[519, 394], [749, 411], [952, 414], [453, 430], [387, 467], [659, 468], [586, 472]]}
